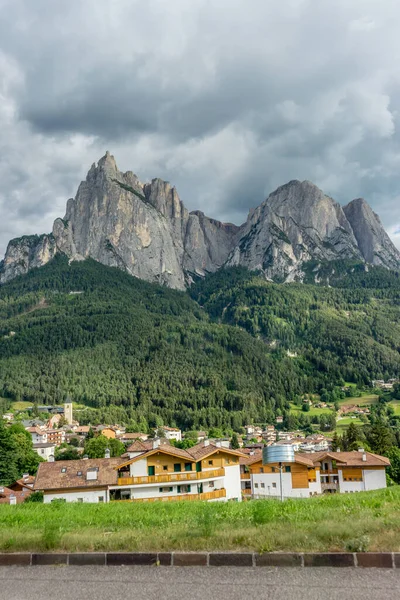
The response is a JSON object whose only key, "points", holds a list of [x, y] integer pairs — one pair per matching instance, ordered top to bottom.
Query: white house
{"points": [[172, 433], [39, 436], [45, 450], [314, 473]]}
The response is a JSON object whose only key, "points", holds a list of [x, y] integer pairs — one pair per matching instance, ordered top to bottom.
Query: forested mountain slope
{"points": [[349, 332], [105, 338], [236, 351]]}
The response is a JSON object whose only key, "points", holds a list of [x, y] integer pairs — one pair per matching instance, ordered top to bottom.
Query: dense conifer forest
{"points": [[235, 349]]}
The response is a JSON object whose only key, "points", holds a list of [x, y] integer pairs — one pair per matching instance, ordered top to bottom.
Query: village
{"points": [[158, 466]]}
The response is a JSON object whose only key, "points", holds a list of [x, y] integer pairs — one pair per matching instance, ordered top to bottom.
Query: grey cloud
{"points": [[225, 102]]}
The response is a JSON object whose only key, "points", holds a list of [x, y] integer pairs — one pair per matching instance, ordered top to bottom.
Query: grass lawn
{"points": [[360, 400], [21, 405], [396, 406], [294, 409], [342, 424], [354, 522]]}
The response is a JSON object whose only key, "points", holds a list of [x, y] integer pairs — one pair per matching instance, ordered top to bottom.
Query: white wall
{"points": [[45, 452], [139, 468], [374, 479], [231, 482], [350, 486], [288, 492], [87, 495]]}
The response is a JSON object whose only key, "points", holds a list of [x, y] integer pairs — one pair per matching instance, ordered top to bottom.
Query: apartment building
{"points": [[172, 433], [39, 436], [55, 436], [149, 471], [313, 473]]}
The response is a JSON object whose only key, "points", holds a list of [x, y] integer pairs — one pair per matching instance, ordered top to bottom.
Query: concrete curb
{"points": [[385, 560]]}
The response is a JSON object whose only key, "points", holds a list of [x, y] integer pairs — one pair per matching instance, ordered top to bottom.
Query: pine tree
{"points": [[235, 441], [8, 466]]}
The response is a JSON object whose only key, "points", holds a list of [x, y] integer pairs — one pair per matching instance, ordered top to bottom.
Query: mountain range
{"points": [[145, 230]]}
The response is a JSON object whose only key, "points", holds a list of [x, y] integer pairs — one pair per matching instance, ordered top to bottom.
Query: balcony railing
{"points": [[329, 472], [244, 475], [171, 477], [246, 491], [204, 496]]}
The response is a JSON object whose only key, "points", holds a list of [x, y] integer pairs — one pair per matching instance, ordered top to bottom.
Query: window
{"points": [[210, 462], [228, 462], [188, 466], [165, 467], [177, 467], [261, 469], [287, 469], [64, 470], [151, 470], [273, 470], [79, 473], [211, 484], [256, 485], [263, 485], [274, 485], [183, 489], [164, 490], [101, 498], [79, 499]]}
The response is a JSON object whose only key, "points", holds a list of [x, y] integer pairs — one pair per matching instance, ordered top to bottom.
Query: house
{"points": [[8, 417], [279, 419], [53, 421], [81, 429], [108, 432], [172, 433], [39, 436], [55, 436], [131, 437], [45, 450], [149, 471], [163, 472], [314, 473], [85, 480], [24, 484], [9, 496]]}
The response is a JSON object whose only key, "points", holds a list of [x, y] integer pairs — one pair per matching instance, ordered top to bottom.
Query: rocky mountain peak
{"points": [[146, 230]]}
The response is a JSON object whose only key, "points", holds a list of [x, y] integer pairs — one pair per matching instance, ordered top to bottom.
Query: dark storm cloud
{"points": [[227, 99]]}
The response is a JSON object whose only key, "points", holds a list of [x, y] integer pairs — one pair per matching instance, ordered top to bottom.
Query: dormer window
{"points": [[64, 470], [79, 473]]}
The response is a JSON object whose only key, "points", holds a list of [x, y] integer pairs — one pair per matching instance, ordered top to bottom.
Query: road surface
{"points": [[197, 583]]}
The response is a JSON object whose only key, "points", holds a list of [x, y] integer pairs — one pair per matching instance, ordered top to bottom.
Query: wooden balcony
{"points": [[329, 472], [245, 476], [171, 477], [246, 492], [204, 496]]}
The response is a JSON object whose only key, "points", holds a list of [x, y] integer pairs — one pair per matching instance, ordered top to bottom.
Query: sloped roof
{"points": [[201, 451], [350, 459], [51, 477]]}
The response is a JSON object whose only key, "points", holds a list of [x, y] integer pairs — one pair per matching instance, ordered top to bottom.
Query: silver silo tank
{"points": [[283, 453]]}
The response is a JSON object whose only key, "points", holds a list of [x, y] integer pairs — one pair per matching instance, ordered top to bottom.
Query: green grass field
{"points": [[360, 400], [21, 405], [396, 406], [294, 409], [342, 424], [368, 521]]}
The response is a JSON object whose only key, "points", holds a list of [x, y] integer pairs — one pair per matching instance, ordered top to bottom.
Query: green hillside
{"points": [[349, 333], [236, 350], [141, 352]]}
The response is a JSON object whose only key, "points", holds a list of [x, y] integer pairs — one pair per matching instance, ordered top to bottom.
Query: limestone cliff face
{"points": [[296, 223], [143, 229], [147, 231], [373, 241]]}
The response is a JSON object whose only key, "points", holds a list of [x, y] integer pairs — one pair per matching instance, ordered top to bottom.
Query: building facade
{"points": [[314, 473]]}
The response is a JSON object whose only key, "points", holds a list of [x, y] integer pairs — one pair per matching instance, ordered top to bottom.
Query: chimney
{"points": [[156, 443], [206, 443], [218, 443], [361, 449], [252, 452], [107, 453], [364, 457], [51, 458], [25, 476], [13, 499]]}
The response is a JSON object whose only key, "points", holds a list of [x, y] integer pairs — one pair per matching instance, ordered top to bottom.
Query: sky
{"points": [[226, 99]]}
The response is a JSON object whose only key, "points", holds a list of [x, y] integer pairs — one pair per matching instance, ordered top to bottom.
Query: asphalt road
{"points": [[197, 583]]}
